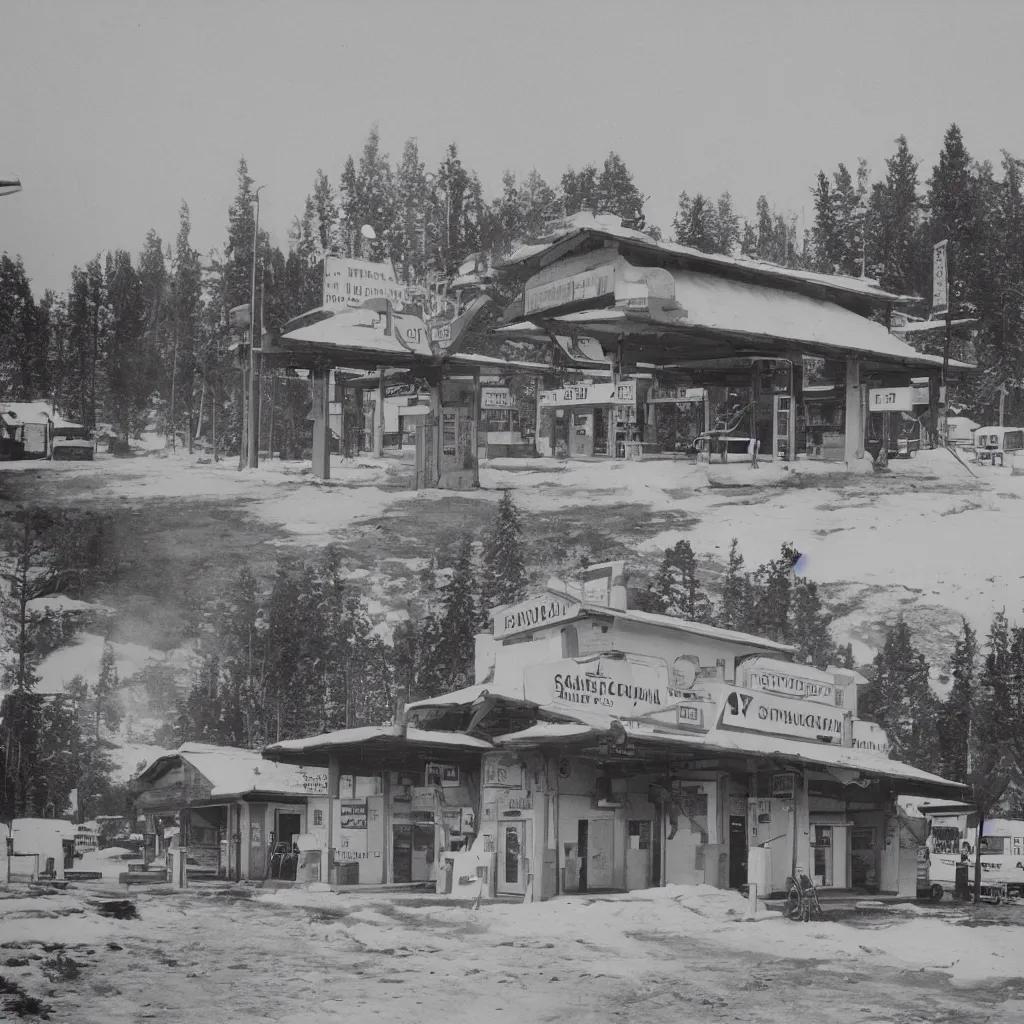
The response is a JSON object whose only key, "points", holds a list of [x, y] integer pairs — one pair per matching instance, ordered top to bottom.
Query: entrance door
{"points": [[783, 407], [581, 432], [288, 826], [401, 849], [737, 851], [422, 853], [601, 854], [512, 857], [862, 858], [823, 873]]}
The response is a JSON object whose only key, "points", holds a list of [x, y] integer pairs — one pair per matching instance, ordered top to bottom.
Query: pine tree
{"points": [[578, 190], [616, 193], [412, 197], [376, 200], [325, 213], [696, 223], [893, 223], [728, 224], [765, 230], [748, 243], [238, 249], [186, 319], [127, 358], [24, 373], [504, 574], [677, 589], [773, 596], [736, 611], [811, 626], [451, 635], [900, 700], [106, 706], [958, 710]]}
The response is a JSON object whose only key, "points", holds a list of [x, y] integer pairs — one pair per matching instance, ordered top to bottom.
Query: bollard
{"points": [[752, 900]]}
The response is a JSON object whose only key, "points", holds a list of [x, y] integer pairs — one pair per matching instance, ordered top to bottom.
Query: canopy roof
{"points": [[581, 232], [727, 318], [380, 748]]}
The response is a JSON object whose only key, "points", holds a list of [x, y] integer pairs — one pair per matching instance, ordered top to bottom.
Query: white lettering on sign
{"points": [[351, 282], [591, 284], [442, 333], [496, 398], [890, 399], [542, 611], [795, 686], [763, 712]]}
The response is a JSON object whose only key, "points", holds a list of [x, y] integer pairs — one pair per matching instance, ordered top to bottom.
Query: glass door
{"points": [[511, 873], [823, 874]]}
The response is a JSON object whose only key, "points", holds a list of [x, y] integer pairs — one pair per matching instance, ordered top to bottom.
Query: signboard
{"points": [[940, 278], [350, 282], [590, 284], [582, 349], [394, 390], [623, 393], [675, 395], [496, 398], [890, 400], [534, 614], [794, 685], [602, 687], [781, 716], [868, 736], [503, 770], [442, 774], [314, 781], [515, 800], [352, 813]]}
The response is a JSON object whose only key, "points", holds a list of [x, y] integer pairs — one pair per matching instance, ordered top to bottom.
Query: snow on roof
{"points": [[865, 287], [720, 304], [919, 326], [694, 628], [465, 696], [549, 731], [369, 733], [745, 743], [234, 771]]}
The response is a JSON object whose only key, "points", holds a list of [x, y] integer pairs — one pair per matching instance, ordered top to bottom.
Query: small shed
{"points": [[228, 807]]}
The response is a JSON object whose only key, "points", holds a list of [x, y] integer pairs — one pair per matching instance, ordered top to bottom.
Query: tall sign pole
{"points": [[940, 304], [252, 404]]}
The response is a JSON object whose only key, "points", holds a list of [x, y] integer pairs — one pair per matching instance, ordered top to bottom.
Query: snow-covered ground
{"points": [[681, 953]]}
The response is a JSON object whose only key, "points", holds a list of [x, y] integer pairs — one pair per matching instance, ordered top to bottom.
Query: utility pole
{"points": [[252, 406]]}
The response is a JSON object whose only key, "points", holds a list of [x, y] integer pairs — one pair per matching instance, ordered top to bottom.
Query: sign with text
{"points": [[940, 277], [350, 282], [587, 285], [623, 393], [675, 395], [496, 398], [890, 400], [534, 614], [792, 684], [597, 688], [781, 716], [868, 736], [503, 770], [314, 781], [352, 814]]}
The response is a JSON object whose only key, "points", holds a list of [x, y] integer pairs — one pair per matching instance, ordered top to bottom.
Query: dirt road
{"points": [[224, 957]]}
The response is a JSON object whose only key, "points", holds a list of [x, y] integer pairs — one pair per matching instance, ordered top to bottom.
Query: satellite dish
{"points": [[367, 232]]}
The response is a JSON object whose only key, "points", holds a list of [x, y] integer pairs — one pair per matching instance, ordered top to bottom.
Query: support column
{"points": [[796, 383], [538, 385], [934, 385], [321, 424], [378, 426], [342, 431], [474, 436], [852, 437], [333, 781]]}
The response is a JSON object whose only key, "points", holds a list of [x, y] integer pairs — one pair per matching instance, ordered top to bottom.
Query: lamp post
{"points": [[8, 186], [253, 439]]}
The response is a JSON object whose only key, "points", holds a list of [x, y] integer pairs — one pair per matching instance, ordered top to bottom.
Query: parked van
{"points": [[992, 443]]}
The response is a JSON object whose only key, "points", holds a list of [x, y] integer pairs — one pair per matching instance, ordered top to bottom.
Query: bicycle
{"points": [[802, 899]]}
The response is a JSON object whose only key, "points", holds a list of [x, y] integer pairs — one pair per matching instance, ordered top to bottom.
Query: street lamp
{"points": [[8, 186]]}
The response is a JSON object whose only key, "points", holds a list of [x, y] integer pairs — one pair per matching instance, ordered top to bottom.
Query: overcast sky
{"points": [[112, 112]]}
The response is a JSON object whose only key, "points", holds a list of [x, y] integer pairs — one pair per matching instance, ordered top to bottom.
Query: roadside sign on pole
{"points": [[940, 279]]}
